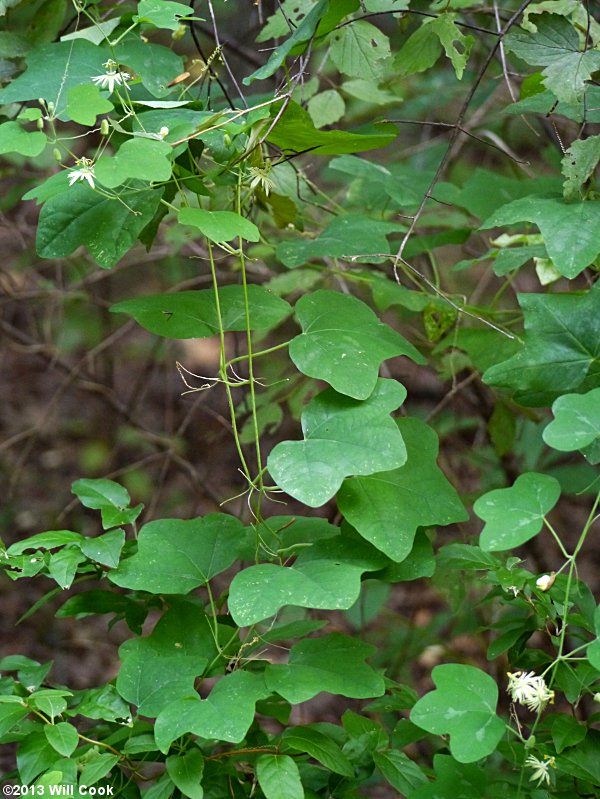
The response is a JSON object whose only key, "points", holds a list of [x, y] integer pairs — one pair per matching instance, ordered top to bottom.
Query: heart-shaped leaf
{"points": [[344, 342], [342, 437], [388, 507], [516, 514], [175, 555], [463, 706]]}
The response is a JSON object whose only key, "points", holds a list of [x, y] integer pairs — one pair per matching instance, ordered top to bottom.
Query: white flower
{"points": [[112, 77], [164, 131], [85, 172], [546, 581], [529, 690], [540, 767]]}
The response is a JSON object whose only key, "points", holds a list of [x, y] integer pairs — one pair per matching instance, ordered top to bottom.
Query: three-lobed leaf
{"points": [[343, 342], [561, 350], [342, 437], [387, 508], [514, 515], [175, 555], [463, 706]]}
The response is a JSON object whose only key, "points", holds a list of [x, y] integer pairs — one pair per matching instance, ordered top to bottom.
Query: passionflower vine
{"points": [[112, 77], [85, 171], [528, 689]]}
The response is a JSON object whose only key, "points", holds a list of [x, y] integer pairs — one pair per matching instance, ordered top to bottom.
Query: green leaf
{"points": [[163, 14], [287, 17], [97, 33], [302, 34], [456, 45], [556, 45], [424, 46], [357, 49], [420, 51], [156, 65], [54, 69], [85, 103], [326, 108], [296, 132], [15, 139], [138, 158], [578, 165], [219, 225], [106, 226], [570, 232], [346, 236], [193, 314], [344, 343], [561, 350], [576, 422], [342, 437], [108, 497], [387, 508], [514, 515], [49, 540], [105, 549], [175, 556], [63, 565], [326, 575], [593, 650], [334, 663], [161, 668], [103, 703], [463, 706], [226, 714], [10, 715], [566, 732], [63, 737], [320, 747], [34, 756], [581, 761], [96, 767], [399, 770], [186, 772], [278, 777], [453, 781]]}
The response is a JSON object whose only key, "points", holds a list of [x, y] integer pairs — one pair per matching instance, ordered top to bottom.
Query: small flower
{"points": [[113, 77], [164, 131], [85, 172], [260, 177], [546, 581], [529, 690], [540, 767]]}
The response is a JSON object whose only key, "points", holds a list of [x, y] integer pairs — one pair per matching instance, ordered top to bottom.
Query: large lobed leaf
{"points": [[344, 343], [561, 351], [342, 437], [388, 507]]}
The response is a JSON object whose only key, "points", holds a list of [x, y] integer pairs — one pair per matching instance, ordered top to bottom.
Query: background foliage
{"points": [[300, 306]]}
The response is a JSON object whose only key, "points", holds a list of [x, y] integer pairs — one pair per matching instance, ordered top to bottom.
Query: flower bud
{"points": [[179, 33], [39, 124], [104, 129], [164, 131], [226, 139], [56, 154], [546, 581]]}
